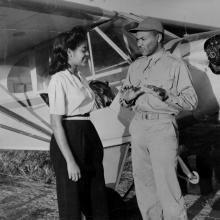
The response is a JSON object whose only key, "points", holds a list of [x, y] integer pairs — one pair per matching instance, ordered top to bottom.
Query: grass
{"points": [[32, 165]]}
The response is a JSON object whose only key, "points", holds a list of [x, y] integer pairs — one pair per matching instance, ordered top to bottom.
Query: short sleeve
{"points": [[56, 96]]}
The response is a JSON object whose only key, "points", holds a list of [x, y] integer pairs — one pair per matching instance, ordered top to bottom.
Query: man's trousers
{"points": [[154, 158]]}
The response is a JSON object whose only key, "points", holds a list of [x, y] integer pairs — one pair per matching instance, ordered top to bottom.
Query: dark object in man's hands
{"points": [[162, 93], [129, 95]]}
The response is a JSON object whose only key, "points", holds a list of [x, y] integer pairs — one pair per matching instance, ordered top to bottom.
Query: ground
{"points": [[22, 199]]}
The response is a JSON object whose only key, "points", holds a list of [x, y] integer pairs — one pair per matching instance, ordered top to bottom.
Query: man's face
{"points": [[147, 42]]}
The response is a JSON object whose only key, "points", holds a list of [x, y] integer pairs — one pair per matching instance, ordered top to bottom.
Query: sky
{"points": [[203, 12]]}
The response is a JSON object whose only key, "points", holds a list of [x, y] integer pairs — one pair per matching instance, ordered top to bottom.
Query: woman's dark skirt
{"points": [[88, 195]]}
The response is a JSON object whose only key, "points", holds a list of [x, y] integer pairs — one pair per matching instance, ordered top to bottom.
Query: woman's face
{"points": [[79, 56]]}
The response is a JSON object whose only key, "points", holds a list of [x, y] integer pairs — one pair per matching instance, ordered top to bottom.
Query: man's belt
{"points": [[153, 115]]}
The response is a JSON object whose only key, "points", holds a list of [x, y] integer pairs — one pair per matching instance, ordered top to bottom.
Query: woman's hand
{"points": [[73, 171]]}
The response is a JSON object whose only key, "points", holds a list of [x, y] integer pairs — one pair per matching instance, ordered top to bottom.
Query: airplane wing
{"points": [[27, 23]]}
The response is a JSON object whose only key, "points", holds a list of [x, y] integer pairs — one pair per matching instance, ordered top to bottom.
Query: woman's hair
{"points": [[71, 40]]}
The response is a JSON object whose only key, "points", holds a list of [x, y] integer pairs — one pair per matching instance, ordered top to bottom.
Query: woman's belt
{"points": [[85, 116]]}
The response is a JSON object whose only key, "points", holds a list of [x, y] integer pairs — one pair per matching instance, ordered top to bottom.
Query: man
{"points": [[157, 88]]}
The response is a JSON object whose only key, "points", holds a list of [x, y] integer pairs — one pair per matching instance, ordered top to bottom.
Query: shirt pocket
{"points": [[162, 77]]}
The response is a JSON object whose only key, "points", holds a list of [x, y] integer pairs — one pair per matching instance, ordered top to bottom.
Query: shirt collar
{"points": [[156, 56]]}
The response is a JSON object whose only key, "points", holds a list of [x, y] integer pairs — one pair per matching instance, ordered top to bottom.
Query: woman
{"points": [[76, 150]]}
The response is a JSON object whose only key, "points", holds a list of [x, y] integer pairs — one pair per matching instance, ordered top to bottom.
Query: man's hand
{"points": [[160, 92], [129, 94]]}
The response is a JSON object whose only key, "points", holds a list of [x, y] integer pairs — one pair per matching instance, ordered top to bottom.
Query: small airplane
{"points": [[27, 29]]}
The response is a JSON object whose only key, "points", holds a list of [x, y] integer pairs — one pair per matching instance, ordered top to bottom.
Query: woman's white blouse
{"points": [[68, 95]]}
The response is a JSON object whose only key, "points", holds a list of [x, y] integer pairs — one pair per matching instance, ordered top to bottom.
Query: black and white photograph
{"points": [[109, 110]]}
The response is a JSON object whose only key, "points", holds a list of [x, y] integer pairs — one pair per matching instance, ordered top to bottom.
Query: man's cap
{"points": [[148, 24]]}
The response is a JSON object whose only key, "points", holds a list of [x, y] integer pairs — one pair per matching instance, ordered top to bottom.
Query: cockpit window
{"points": [[118, 33], [104, 56]]}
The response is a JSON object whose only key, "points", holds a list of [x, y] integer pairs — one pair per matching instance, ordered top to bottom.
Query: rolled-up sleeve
{"points": [[127, 81], [56, 96], [182, 96]]}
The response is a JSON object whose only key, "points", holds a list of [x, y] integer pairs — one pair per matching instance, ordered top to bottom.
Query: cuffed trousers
{"points": [[154, 158], [88, 195]]}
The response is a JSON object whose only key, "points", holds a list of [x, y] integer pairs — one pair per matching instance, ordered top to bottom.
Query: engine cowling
{"points": [[212, 49]]}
